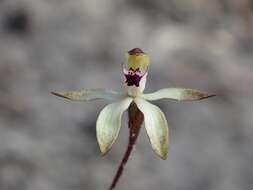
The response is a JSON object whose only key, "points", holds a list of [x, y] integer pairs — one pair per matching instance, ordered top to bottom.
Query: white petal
{"points": [[89, 94], [176, 94], [109, 123], [156, 126]]}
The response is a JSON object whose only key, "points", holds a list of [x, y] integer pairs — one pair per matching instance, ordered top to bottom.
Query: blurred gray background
{"points": [[47, 143]]}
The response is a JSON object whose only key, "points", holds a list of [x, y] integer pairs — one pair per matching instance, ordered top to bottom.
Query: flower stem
{"points": [[136, 118]]}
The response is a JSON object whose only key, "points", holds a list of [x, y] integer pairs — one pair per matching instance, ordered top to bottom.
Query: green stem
{"points": [[136, 118]]}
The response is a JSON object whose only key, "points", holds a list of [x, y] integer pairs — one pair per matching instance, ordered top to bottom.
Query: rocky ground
{"points": [[50, 144]]}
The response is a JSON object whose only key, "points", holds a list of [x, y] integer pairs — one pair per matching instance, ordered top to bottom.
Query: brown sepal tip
{"points": [[60, 95], [207, 96]]}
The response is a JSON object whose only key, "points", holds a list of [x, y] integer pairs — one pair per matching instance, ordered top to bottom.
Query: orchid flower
{"points": [[109, 120]]}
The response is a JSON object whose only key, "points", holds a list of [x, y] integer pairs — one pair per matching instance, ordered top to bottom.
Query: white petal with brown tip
{"points": [[89, 94], [176, 94]]}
